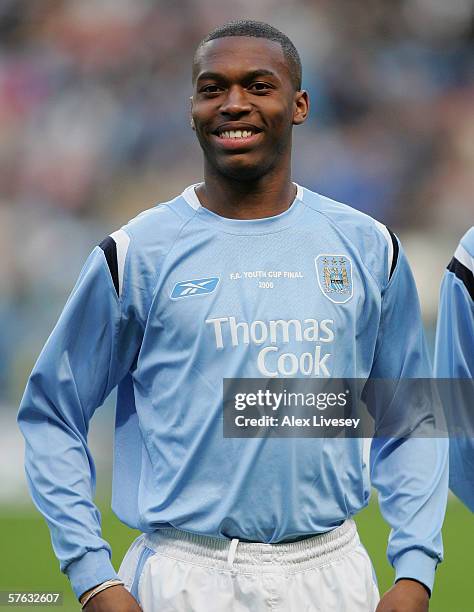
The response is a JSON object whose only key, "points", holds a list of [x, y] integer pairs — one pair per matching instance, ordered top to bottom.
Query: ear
{"points": [[301, 107], [191, 120]]}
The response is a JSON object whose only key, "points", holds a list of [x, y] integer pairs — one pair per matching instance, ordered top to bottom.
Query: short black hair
{"points": [[258, 29]]}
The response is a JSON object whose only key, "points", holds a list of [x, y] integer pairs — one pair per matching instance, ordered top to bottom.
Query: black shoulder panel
{"points": [[109, 246], [395, 253], [464, 274]]}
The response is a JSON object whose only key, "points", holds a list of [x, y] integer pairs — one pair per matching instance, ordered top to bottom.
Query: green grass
{"points": [[29, 564], [454, 584]]}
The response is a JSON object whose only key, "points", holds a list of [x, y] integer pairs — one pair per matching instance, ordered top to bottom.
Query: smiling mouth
{"points": [[234, 134], [237, 140]]}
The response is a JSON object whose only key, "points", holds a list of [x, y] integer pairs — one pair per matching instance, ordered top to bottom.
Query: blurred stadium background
{"points": [[94, 98]]}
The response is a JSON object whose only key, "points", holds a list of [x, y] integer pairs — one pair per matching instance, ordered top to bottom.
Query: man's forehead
{"points": [[240, 52]]}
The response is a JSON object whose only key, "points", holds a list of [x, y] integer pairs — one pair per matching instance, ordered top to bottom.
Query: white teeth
{"points": [[236, 134]]}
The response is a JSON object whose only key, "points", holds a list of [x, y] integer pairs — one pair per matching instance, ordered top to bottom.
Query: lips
{"points": [[236, 133], [236, 136]]}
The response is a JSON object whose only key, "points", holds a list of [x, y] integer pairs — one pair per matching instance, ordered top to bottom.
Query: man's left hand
{"points": [[405, 596]]}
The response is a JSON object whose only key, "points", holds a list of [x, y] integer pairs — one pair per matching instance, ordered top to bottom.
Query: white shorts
{"points": [[175, 571]]}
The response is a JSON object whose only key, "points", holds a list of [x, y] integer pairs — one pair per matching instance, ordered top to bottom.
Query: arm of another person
{"points": [[90, 350], [454, 359], [410, 473]]}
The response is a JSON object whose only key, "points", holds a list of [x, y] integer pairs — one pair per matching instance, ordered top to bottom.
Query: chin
{"points": [[242, 171]]}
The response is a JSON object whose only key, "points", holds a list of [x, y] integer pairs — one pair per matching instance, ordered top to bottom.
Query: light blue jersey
{"points": [[181, 298], [454, 356]]}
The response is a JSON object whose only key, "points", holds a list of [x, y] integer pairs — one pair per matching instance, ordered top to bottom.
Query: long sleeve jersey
{"points": [[181, 298], [454, 357]]}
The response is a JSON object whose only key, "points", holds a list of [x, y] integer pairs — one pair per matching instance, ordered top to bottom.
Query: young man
{"points": [[172, 304], [454, 359]]}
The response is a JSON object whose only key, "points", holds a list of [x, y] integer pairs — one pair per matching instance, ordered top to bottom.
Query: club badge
{"points": [[335, 277]]}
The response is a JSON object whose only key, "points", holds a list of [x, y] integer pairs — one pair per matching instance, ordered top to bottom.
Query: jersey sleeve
{"points": [[90, 350], [454, 352], [454, 358], [410, 473]]}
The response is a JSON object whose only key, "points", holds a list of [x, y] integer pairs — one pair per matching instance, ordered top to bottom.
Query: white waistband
{"points": [[245, 556]]}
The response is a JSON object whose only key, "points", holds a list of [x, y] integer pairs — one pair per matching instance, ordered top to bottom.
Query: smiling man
{"points": [[245, 275]]}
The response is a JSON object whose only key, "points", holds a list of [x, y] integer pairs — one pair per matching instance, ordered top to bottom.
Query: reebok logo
{"points": [[198, 286]]}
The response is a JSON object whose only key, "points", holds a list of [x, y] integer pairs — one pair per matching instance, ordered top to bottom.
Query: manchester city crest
{"points": [[335, 277]]}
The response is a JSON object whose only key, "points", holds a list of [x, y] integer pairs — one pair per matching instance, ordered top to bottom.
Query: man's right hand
{"points": [[113, 599]]}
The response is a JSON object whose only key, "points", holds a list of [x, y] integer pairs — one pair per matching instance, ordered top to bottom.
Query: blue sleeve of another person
{"points": [[454, 356]]}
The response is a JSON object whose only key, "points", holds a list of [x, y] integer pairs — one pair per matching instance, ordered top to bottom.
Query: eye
{"points": [[259, 87], [210, 89]]}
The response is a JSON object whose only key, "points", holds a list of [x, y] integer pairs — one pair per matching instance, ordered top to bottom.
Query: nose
{"points": [[236, 102]]}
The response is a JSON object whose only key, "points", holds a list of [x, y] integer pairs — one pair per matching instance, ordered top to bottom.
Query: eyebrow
{"points": [[219, 76]]}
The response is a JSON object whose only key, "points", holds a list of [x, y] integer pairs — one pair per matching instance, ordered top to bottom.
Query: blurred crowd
{"points": [[94, 127]]}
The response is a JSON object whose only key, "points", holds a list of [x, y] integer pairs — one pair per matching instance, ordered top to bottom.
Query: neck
{"points": [[267, 196]]}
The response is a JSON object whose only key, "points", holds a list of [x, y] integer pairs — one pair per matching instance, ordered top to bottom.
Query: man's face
{"points": [[244, 106]]}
